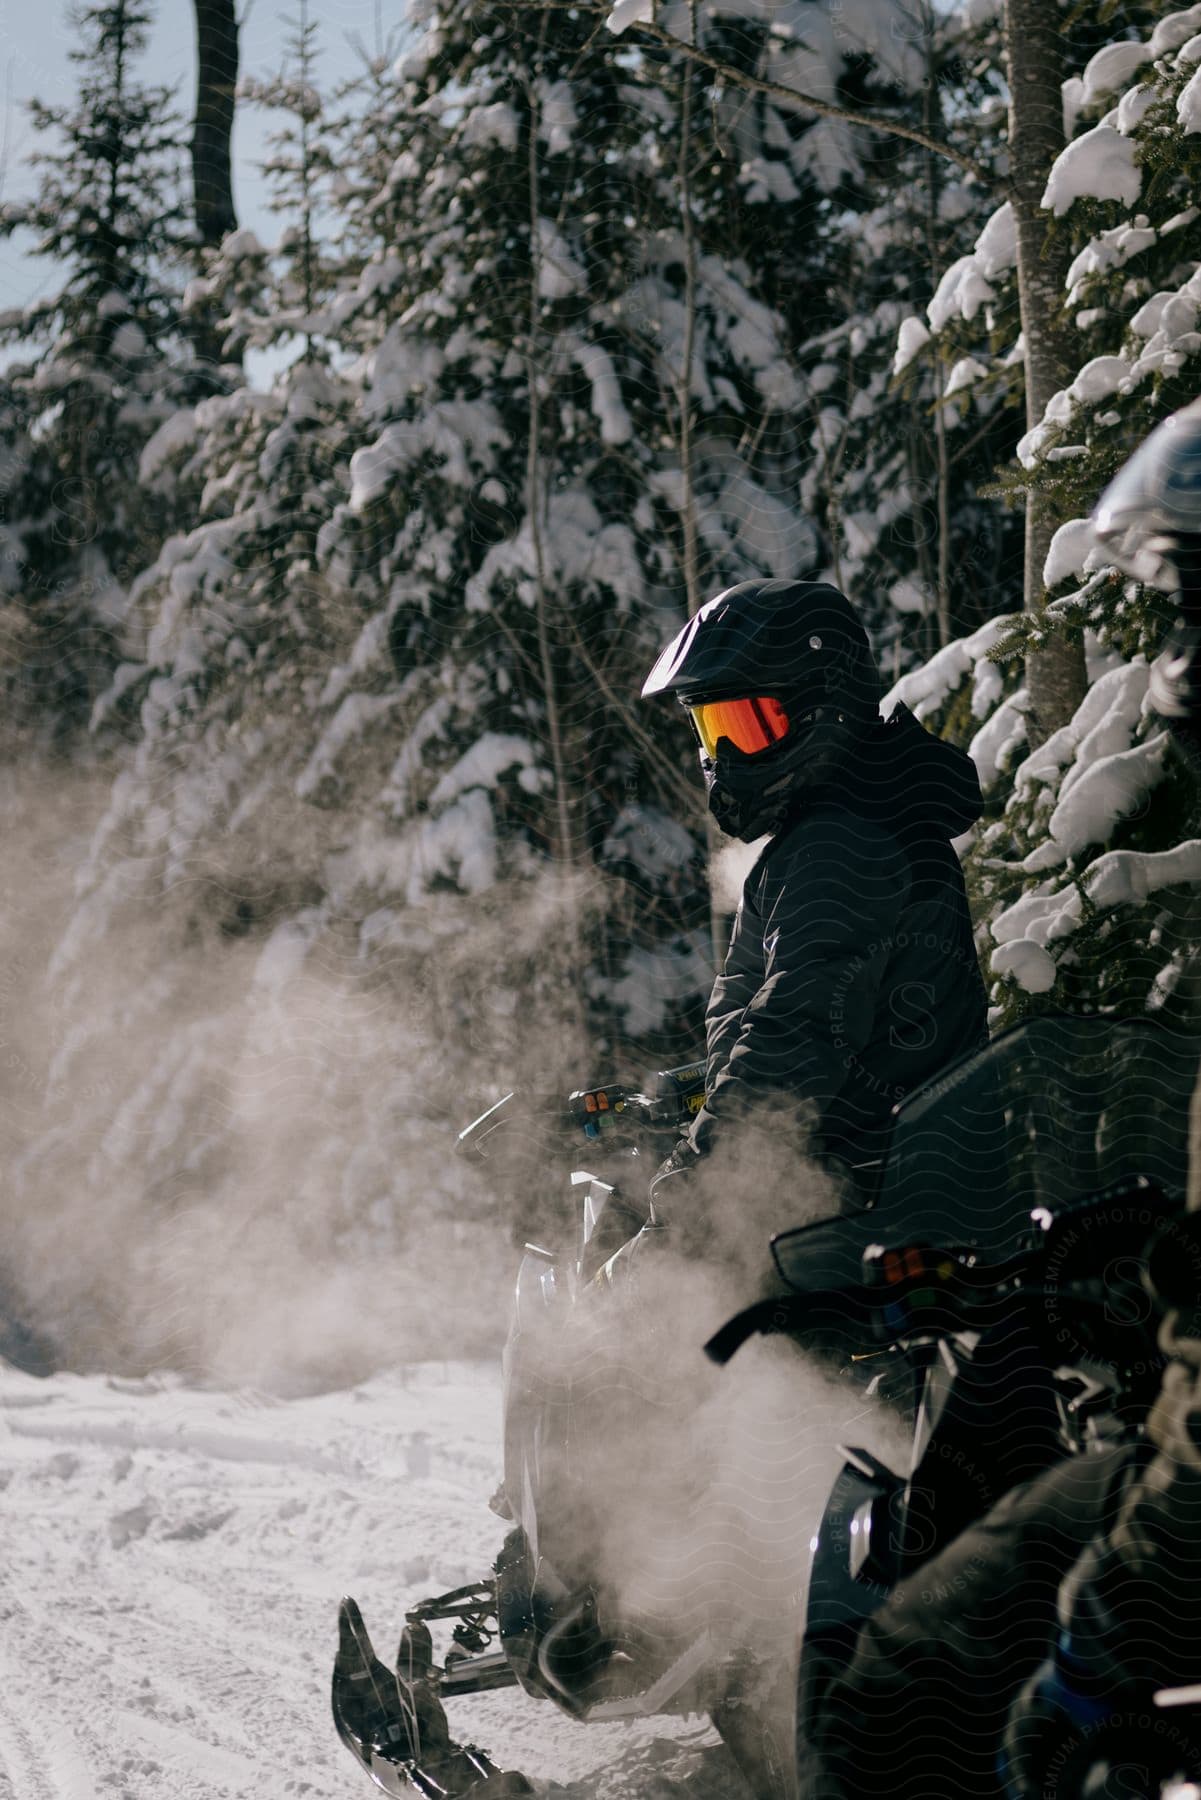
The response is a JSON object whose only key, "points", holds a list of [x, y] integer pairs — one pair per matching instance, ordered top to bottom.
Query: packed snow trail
{"points": [[171, 1559]]}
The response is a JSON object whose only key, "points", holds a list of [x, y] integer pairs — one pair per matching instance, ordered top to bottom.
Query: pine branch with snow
{"points": [[94, 368]]}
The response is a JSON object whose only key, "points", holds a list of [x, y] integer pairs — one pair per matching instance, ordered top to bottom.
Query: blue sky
{"points": [[35, 36]]}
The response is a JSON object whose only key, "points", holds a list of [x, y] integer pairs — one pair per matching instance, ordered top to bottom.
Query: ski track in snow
{"points": [[171, 1558]]}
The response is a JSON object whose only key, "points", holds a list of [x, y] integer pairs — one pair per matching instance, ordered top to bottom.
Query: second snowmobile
{"points": [[1005, 1262]]}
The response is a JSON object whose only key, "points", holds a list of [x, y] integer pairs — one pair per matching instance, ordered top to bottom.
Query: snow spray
{"points": [[229, 1141]]}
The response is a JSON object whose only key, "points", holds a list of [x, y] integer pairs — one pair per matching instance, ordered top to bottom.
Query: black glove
{"points": [[667, 1183], [1065, 1723]]}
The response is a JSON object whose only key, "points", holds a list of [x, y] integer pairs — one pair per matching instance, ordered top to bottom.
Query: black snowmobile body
{"points": [[1002, 1265]]}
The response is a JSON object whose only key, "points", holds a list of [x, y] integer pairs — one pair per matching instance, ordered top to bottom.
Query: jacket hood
{"points": [[913, 783]]}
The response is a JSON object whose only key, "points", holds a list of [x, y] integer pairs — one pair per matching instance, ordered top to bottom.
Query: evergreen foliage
{"points": [[580, 334], [96, 366], [565, 408], [899, 457], [233, 626], [1084, 876]]}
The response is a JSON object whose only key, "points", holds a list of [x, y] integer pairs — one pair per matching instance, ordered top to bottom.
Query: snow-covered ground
{"points": [[171, 1559]]}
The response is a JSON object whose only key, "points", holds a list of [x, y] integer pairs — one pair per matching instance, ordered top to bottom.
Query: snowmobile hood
{"points": [[911, 782]]}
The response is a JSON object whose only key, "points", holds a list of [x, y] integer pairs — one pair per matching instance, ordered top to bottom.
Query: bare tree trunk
{"points": [[216, 81], [932, 121], [212, 134], [688, 229], [1055, 675], [567, 769], [564, 835], [718, 934]]}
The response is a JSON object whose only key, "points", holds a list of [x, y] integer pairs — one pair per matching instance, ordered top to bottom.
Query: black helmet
{"points": [[795, 669]]}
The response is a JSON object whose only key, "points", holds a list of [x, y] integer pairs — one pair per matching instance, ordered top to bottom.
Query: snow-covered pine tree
{"points": [[363, 123], [299, 167], [755, 185], [844, 227], [96, 366], [575, 409], [585, 411], [898, 462], [519, 510], [501, 529], [233, 617], [1088, 873], [255, 1100]]}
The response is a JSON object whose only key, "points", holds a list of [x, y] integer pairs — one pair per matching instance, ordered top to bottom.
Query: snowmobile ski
{"points": [[393, 1723]]}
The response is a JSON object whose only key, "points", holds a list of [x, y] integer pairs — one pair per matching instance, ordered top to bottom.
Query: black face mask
{"points": [[750, 796], [743, 805]]}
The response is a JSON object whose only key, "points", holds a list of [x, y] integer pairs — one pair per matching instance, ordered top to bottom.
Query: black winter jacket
{"points": [[851, 975]]}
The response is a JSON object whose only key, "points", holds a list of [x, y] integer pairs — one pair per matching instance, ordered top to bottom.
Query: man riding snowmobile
{"points": [[851, 974], [851, 977]]}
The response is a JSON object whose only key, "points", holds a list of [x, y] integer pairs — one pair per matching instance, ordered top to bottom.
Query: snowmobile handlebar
{"points": [[677, 1095], [609, 1111], [1131, 1240], [1086, 1257], [915, 1291], [927, 1293], [838, 1311]]}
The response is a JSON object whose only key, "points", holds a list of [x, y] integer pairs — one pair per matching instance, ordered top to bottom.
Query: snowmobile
{"points": [[1019, 1190], [1004, 1262], [544, 1620]]}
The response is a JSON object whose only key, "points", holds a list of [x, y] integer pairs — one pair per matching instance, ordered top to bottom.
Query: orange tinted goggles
{"points": [[750, 725]]}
